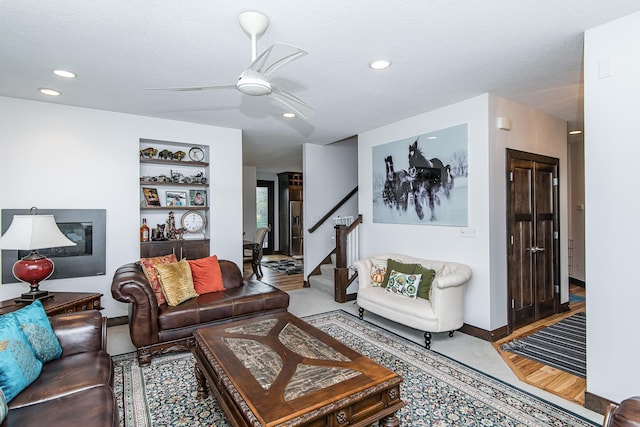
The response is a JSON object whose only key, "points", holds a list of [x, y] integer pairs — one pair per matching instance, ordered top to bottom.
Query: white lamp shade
{"points": [[29, 232]]}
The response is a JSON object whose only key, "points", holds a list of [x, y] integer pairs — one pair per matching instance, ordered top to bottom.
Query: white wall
{"points": [[532, 131], [535, 132], [60, 157], [329, 175], [611, 176], [249, 202], [577, 209]]}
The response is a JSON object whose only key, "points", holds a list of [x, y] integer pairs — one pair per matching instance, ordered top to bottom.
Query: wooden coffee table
{"points": [[277, 370]]}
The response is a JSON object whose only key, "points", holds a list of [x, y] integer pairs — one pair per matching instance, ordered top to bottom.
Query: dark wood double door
{"points": [[533, 238]]}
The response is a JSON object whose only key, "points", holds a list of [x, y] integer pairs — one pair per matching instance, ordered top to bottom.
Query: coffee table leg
{"points": [[203, 392], [389, 421]]}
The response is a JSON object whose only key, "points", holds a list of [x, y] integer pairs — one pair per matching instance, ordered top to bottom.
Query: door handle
{"points": [[535, 249]]}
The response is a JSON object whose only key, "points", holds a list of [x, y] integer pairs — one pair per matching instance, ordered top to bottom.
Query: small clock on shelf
{"points": [[196, 154], [193, 223]]}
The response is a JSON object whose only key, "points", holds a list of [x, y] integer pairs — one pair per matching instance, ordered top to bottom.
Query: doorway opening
{"points": [[265, 212]]}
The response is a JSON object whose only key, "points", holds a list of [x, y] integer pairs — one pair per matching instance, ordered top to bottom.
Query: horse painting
{"points": [[429, 177], [397, 186]]}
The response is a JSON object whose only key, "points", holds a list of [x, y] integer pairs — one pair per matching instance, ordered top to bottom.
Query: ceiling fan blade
{"points": [[275, 57], [192, 88], [291, 101]]}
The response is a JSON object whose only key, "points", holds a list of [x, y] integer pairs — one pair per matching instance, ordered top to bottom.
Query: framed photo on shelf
{"points": [[151, 196], [176, 198], [197, 198]]}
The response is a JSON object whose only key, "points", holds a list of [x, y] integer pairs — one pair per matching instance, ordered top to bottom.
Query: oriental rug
{"points": [[562, 345], [438, 391]]}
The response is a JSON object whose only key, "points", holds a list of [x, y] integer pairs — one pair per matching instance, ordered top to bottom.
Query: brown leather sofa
{"points": [[158, 329], [74, 390], [625, 414]]}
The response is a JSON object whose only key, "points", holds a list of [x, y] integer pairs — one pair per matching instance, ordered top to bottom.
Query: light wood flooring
{"points": [[285, 282], [545, 377], [560, 383]]}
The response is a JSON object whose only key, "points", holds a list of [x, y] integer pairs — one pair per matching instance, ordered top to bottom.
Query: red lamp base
{"points": [[33, 269]]}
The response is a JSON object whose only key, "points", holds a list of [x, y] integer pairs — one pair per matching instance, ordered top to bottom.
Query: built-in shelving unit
{"points": [[174, 177]]}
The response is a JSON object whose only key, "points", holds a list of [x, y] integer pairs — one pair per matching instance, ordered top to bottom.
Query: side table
{"points": [[62, 302]]}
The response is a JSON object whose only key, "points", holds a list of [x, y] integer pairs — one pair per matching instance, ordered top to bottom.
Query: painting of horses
{"points": [[422, 179]]}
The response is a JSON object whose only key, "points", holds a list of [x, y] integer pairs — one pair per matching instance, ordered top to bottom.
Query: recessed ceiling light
{"points": [[379, 64], [64, 73], [50, 92], [288, 115], [575, 132], [432, 137]]}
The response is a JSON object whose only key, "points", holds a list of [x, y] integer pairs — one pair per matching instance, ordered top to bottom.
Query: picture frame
{"points": [[151, 196], [176, 198], [197, 198]]}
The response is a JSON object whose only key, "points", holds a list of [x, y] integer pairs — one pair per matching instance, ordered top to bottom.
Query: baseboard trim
{"points": [[577, 282], [117, 321], [484, 334], [596, 403]]}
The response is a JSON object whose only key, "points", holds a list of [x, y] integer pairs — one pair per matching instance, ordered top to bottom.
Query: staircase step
{"points": [[327, 270], [322, 283]]}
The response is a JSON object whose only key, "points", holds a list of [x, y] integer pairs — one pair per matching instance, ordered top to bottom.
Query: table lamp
{"points": [[32, 232]]}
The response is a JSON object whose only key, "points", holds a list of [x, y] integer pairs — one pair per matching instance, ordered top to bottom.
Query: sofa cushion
{"points": [[399, 267], [149, 269], [378, 271], [428, 274], [207, 276], [176, 282], [403, 284], [36, 326], [19, 366], [67, 375], [3, 406], [93, 407]]}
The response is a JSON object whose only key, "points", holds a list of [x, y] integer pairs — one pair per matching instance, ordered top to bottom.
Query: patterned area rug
{"points": [[286, 266], [562, 345], [438, 391]]}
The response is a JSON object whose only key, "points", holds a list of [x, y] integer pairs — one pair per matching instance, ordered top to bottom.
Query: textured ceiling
{"points": [[529, 51]]}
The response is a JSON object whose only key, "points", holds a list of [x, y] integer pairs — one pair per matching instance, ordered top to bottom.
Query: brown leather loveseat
{"points": [[157, 329], [74, 390]]}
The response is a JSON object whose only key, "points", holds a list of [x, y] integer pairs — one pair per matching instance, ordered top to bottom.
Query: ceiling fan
{"points": [[254, 80]]}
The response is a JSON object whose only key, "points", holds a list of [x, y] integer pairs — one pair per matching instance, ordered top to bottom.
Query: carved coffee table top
{"points": [[282, 369]]}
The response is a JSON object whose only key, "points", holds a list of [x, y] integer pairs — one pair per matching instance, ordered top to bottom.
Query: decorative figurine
{"points": [[148, 152], [165, 154], [178, 155], [171, 227]]}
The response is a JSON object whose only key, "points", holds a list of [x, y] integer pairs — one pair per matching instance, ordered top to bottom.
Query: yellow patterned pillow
{"points": [[176, 282]]}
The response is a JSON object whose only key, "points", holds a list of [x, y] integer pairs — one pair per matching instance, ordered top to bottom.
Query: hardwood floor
{"points": [[285, 282], [553, 380]]}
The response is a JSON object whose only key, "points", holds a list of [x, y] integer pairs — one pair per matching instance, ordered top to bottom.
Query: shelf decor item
{"points": [[196, 154], [151, 196], [176, 198], [197, 198], [33, 232]]}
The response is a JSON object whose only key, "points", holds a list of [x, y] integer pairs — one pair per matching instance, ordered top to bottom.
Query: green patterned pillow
{"points": [[398, 267], [428, 275], [403, 284], [36, 326], [18, 365], [3, 407]]}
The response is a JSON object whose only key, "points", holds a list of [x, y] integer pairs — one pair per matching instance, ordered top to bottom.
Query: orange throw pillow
{"points": [[149, 269], [207, 276]]}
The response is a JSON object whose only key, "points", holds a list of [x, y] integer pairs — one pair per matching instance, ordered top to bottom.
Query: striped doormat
{"points": [[562, 345]]}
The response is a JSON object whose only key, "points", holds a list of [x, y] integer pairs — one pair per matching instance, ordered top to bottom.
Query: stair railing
{"points": [[332, 210], [347, 251]]}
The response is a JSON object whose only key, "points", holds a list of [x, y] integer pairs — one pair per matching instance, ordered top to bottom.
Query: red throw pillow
{"points": [[149, 268], [207, 276]]}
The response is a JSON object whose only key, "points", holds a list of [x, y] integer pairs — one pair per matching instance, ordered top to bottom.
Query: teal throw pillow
{"points": [[398, 267], [428, 275], [403, 284], [36, 326], [18, 364], [3, 407]]}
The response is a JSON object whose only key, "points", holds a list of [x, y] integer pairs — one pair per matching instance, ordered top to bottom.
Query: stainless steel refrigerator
{"points": [[296, 233]]}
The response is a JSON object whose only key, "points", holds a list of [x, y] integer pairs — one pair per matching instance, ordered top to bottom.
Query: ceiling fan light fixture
{"points": [[379, 64], [254, 87]]}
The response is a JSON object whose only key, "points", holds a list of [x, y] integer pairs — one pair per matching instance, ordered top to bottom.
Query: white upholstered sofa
{"points": [[443, 311]]}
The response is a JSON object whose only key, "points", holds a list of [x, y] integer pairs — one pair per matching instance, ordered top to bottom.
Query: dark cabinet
{"points": [[290, 213], [189, 249]]}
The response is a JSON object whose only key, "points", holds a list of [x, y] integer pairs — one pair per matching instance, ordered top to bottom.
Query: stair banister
{"points": [[346, 253]]}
